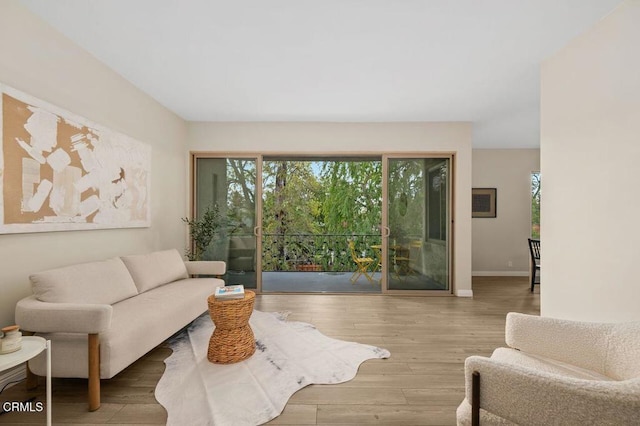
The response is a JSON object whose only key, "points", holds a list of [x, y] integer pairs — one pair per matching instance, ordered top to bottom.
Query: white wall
{"points": [[37, 60], [359, 138], [590, 156], [496, 242]]}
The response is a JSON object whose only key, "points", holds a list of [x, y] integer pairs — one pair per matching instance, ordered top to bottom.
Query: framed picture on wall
{"points": [[60, 171], [483, 202]]}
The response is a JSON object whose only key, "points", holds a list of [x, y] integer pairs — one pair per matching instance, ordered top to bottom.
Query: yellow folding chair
{"points": [[363, 264]]}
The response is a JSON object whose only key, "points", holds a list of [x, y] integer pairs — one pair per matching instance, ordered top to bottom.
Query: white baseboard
{"points": [[500, 273], [464, 293], [13, 375]]}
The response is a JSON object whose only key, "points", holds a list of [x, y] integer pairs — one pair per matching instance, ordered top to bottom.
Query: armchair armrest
{"points": [[205, 267], [37, 316], [583, 344], [527, 396]]}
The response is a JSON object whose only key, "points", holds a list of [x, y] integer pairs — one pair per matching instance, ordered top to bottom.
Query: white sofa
{"points": [[102, 316], [557, 372]]}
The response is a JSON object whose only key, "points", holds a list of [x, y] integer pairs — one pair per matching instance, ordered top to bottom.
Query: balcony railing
{"points": [[315, 252]]}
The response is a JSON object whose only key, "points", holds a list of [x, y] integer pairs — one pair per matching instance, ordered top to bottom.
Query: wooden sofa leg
{"points": [[94, 372], [475, 399]]}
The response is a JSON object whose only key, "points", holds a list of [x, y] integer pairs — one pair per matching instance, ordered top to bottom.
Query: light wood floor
{"points": [[421, 384]]}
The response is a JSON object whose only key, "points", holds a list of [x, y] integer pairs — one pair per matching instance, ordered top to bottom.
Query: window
{"points": [[535, 205]]}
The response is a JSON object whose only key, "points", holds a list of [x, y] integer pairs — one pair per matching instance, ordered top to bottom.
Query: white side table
{"points": [[31, 346]]}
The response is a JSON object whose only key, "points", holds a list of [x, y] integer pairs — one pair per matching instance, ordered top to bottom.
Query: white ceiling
{"points": [[335, 60]]}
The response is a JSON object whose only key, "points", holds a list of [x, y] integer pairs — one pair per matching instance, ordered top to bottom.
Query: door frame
{"points": [[193, 157], [385, 157], [450, 228]]}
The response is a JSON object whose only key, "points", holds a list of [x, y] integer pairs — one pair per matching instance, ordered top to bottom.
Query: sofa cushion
{"points": [[155, 269], [103, 282], [463, 415]]}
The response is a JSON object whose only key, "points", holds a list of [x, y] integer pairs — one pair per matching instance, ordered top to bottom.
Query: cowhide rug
{"points": [[288, 357]]}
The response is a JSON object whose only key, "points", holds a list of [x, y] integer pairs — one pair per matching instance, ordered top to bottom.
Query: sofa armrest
{"points": [[205, 267], [44, 317], [583, 344], [527, 396]]}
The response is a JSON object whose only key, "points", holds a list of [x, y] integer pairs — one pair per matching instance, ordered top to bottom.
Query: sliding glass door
{"points": [[229, 185], [418, 218], [330, 224]]}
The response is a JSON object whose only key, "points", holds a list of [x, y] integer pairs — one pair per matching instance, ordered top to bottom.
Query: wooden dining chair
{"points": [[534, 250]]}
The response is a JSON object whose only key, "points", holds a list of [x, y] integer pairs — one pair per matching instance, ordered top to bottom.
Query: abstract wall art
{"points": [[62, 172]]}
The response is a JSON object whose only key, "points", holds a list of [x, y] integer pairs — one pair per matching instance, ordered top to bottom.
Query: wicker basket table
{"points": [[232, 340]]}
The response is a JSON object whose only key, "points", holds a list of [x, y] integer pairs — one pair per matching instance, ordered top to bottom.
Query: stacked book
{"points": [[229, 292]]}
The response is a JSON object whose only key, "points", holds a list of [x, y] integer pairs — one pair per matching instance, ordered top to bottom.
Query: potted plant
{"points": [[202, 231]]}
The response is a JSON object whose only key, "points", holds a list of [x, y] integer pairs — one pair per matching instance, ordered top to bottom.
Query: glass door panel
{"points": [[230, 184], [313, 209], [418, 217]]}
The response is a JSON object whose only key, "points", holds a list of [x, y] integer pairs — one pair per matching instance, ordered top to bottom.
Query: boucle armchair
{"points": [[556, 372]]}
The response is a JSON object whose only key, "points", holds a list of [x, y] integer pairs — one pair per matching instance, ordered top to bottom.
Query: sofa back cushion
{"points": [[155, 269], [103, 282]]}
